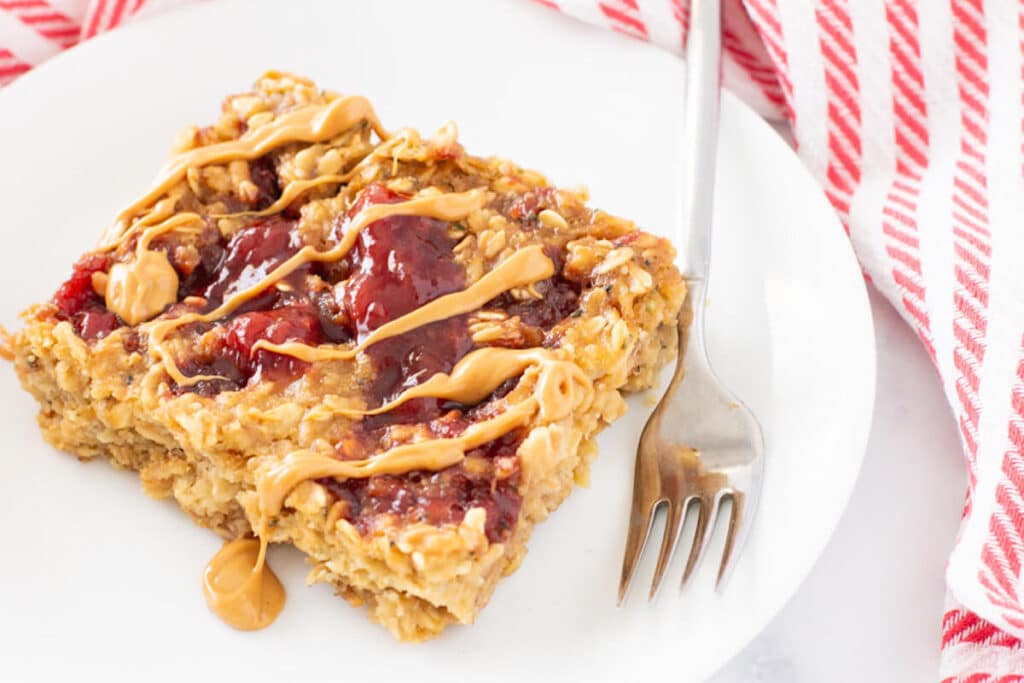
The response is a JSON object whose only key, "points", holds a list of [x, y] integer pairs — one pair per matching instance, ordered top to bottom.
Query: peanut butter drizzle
{"points": [[311, 124], [445, 136], [289, 194], [162, 211], [525, 267], [480, 372], [561, 386], [433, 455], [241, 588]]}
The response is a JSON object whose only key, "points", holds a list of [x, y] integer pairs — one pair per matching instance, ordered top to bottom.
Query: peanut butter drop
{"points": [[140, 289], [240, 588]]}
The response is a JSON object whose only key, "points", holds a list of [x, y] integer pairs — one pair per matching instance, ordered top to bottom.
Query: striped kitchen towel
{"points": [[910, 114]]}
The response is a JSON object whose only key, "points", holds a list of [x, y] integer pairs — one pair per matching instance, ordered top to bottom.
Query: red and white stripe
{"points": [[104, 15], [765, 15], [624, 16], [46, 20], [835, 38], [743, 50], [750, 56], [11, 66], [763, 76], [911, 142], [971, 233], [1003, 551], [963, 626], [979, 651]]}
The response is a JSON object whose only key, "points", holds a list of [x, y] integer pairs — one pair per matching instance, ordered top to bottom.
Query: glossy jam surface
{"points": [[248, 256], [402, 263], [290, 323]]}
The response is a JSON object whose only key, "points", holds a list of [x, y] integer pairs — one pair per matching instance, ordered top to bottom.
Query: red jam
{"points": [[264, 177], [249, 256], [403, 262], [78, 303], [292, 313], [291, 323]]}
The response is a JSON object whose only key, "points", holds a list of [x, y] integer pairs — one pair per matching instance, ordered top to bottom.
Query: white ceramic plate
{"points": [[97, 578]]}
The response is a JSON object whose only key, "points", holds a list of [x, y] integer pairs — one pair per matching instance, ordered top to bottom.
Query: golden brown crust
{"points": [[110, 398]]}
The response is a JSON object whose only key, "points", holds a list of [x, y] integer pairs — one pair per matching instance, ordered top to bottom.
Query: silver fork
{"points": [[701, 445]]}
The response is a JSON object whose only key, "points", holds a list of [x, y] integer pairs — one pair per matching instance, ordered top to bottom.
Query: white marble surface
{"points": [[871, 608]]}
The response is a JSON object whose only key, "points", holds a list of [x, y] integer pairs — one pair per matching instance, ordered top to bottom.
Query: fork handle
{"points": [[700, 137]]}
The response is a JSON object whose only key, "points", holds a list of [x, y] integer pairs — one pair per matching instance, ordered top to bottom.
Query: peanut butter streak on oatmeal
{"points": [[309, 124], [294, 188], [292, 191], [161, 211], [522, 269], [479, 374], [431, 455], [236, 580], [241, 588]]}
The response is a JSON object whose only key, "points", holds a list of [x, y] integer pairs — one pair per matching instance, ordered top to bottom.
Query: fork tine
{"points": [[706, 506], [640, 521], [673, 525], [739, 527]]}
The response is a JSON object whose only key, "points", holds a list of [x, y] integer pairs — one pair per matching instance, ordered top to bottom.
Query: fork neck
{"points": [[700, 133], [691, 322]]}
